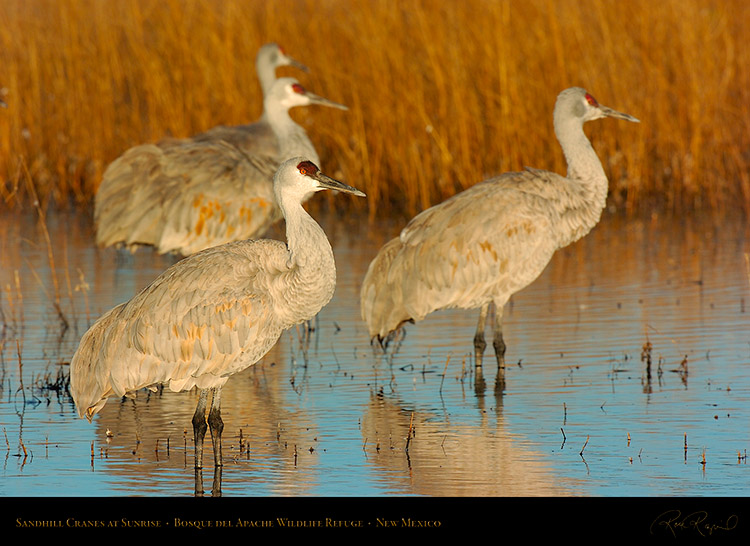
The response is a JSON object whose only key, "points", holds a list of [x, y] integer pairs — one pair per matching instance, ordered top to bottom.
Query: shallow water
{"points": [[581, 414]]}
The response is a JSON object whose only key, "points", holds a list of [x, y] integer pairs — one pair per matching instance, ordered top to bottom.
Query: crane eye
{"points": [[298, 88], [591, 100], [307, 168]]}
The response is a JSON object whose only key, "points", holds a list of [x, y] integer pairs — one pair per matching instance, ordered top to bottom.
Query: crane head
{"points": [[275, 55], [288, 93], [577, 103], [309, 169], [299, 177]]}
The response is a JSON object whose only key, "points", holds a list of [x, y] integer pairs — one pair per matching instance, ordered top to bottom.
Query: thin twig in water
{"points": [[19, 294], [20, 371], [445, 371], [411, 428], [584, 445], [686, 447]]}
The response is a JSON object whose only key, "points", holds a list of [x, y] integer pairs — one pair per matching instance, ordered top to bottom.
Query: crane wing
{"points": [[253, 139], [213, 193], [182, 198], [124, 208], [481, 245], [206, 317]]}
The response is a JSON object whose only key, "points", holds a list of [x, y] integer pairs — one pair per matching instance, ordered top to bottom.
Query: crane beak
{"points": [[296, 64], [317, 99], [609, 112], [328, 183]]}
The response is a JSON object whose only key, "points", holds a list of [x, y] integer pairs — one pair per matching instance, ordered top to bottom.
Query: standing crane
{"points": [[185, 198], [479, 247], [214, 313]]}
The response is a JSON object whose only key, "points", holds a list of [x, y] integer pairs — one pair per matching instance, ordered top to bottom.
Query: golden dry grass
{"points": [[442, 93]]}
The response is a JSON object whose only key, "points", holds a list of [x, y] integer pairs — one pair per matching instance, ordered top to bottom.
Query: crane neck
{"points": [[266, 74], [292, 138], [583, 163], [587, 182], [306, 240], [311, 275]]}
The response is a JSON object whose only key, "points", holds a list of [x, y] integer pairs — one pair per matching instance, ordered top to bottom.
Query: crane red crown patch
{"points": [[591, 100], [307, 167]]}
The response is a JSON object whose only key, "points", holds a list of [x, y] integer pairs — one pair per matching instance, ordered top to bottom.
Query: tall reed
{"points": [[442, 93]]}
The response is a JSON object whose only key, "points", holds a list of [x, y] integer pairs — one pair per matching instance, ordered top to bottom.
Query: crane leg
{"points": [[497, 341], [479, 343], [499, 345], [216, 424], [199, 427]]}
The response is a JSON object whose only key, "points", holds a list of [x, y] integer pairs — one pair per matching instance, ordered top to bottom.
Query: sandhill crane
{"points": [[255, 138], [186, 198], [488, 242], [214, 313]]}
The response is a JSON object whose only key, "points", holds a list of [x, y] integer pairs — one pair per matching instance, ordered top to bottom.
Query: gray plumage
{"points": [[196, 195], [486, 243], [214, 313]]}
